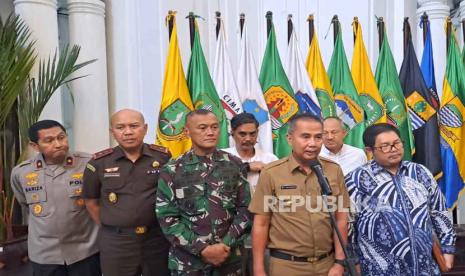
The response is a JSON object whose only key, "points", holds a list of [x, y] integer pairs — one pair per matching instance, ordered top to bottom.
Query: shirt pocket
{"points": [[228, 193], [75, 195], [289, 198], [191, 200], [37, 203]]}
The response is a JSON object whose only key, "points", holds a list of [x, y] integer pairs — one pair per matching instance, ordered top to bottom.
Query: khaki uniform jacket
{"points": [[60, 228], [298, 228]]}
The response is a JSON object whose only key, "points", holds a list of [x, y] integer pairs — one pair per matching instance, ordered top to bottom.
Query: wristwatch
{"points": [[247, 166]]}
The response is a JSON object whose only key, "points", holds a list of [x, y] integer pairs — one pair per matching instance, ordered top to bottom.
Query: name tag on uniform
{"points": [[152, 171], [117, 174], [288, 187], [180, 193]]}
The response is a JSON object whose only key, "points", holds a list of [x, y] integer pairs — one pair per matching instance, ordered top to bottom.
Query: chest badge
{"points": [[155, 164], [112, 170], [32, 179], [112, 197], [37, 209]]}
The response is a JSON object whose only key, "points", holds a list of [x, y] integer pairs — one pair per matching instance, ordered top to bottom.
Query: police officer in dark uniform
{"points": [[119, 188]]}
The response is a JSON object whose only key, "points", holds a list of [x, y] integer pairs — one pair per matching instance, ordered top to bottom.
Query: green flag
{"points": [[202, 89], [278, 94], [393, 97], [346, 98]]}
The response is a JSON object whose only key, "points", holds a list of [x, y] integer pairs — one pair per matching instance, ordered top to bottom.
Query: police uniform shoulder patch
{"points": [[159, 148], [102, 153]]}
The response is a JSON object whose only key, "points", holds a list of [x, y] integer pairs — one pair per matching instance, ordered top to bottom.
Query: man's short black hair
{"points": [[198, 112], [302, 117], [242, 119], [34, 129], [371, 132]]}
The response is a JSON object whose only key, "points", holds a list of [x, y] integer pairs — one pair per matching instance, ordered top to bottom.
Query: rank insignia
{"points": [[69, 161], [39, 164], [155, 164], [90, 167], [77, 175], [112, 197], [37, 209], [140, 230]]}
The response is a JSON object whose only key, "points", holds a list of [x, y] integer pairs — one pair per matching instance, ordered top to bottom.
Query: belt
{"points": [[138, 230], [284, 256]]}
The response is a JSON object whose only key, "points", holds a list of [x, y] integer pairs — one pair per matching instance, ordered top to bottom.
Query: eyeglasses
{"points": [[388, 148]]}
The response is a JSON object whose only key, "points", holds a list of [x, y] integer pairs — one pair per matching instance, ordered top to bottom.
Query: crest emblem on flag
{"points": [[208, 103], [326, 103], [251, 106], [281, 106], [375, 109], [419, 109], [348, 110], [395, 110], [451, 116], [171, 120]]}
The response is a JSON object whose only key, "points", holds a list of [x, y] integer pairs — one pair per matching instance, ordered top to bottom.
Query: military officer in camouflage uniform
{"points": [[119, 188], [202, 201], [62, 236]]}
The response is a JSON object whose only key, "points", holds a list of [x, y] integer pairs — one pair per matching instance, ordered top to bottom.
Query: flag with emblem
{"points": [[427, 67], [223, 78], [299, 79], [319, 79], [364, 81], [202, 89], [391, 91], [251, 93], [278, 94], [346, 99], [175, 102], [423, 115], [451, 125]]}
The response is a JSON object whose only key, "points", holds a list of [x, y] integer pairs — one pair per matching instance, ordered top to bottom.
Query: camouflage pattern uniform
{"points": [[203, 201]]}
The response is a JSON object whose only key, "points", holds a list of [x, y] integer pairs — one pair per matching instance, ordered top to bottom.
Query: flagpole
{"points": [[191, 17], [170, 19], [241, 22], [269, 22], [335, 22], [218, 23], [380, 24], [424, 25], [290, 27], [355, 27], [311, 28], [406, 30], [463, 30], [448, 32]]}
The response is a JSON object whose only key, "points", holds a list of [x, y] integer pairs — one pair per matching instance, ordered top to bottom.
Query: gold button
{"points": [[155, 164], [35, 197], [112, 197], [37, 209], [140, 230]]}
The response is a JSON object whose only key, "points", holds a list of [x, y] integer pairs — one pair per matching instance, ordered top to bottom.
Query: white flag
{"points": [[223, 78], [300, 82], [251, 94]]}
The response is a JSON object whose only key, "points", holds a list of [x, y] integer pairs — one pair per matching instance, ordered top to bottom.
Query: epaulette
{"points": [[159, 148], [102, 153], [327, 160], [24, 163], [275, 163]]}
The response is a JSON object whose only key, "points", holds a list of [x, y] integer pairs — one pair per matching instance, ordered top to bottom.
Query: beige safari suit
{"points": [[60, 228], [302, 233]]}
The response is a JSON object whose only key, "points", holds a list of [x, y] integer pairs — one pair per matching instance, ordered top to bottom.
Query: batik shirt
{"points": [[202, 201], [396, 216]]}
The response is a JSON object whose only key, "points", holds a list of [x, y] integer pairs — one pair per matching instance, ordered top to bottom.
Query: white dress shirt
{"points": [[260, 156], [349, 157]]}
